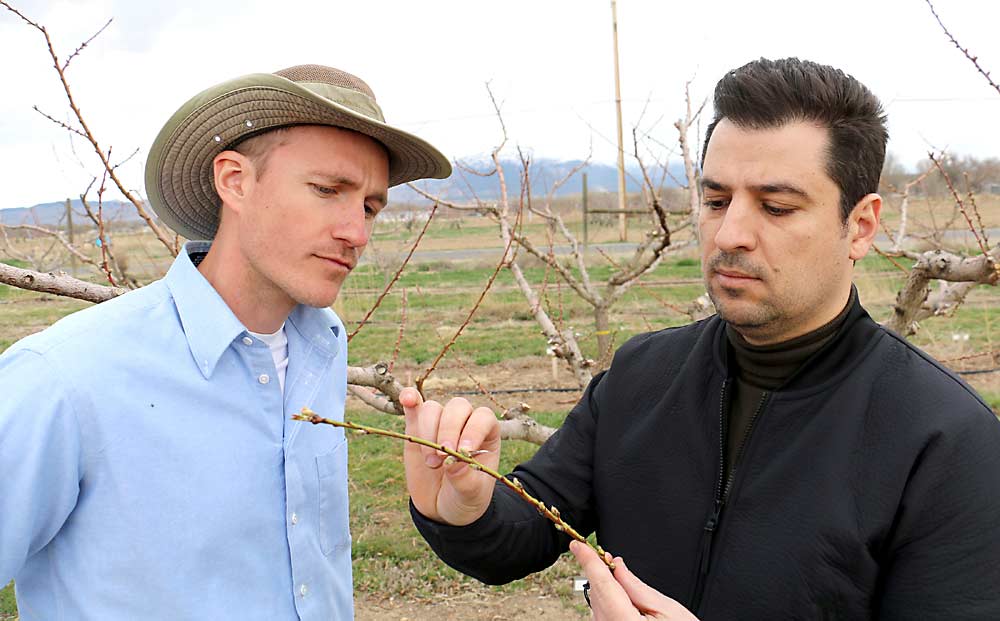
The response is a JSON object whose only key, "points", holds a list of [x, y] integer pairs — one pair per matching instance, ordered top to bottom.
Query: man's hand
{"points": [[455, 493], [622, 595]]}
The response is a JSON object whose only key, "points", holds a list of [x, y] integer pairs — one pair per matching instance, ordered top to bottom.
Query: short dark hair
{"points": [[766, 94], [258, 147]]}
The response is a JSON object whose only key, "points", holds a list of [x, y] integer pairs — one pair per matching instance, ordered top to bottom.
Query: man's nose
{"points": [[353, 226], [738, 229]]}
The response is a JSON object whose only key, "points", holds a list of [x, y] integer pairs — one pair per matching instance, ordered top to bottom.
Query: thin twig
{"points": [[85, 44], [973, 59], [59, 123], [85, 132], [959, 203], [975, 208], [57, 234], [105, 250], [504, 260], [891, 260], [396, 276], [647, 289], [399, 337], [993, 352], [479, 386], [551, 513]]}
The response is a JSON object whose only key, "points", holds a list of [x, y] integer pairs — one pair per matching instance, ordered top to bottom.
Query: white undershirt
{"points": [[278, 342]]}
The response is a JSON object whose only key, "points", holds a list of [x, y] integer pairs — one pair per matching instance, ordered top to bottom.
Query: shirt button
{"points": [[247, 340], [263, 379], [295, 519], [303, 590]]}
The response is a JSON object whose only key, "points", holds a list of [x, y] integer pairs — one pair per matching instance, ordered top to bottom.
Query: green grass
{"points": [[390, 558], [8, 607]]}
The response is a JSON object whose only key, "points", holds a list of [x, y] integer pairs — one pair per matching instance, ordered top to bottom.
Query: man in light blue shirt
{"points": [[149, 466]]}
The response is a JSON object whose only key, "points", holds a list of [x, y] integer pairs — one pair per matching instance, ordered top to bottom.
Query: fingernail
{"points": [[433, 460]]}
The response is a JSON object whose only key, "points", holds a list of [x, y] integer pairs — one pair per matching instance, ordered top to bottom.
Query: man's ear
{"points": [[234, 178], [862, 225]]}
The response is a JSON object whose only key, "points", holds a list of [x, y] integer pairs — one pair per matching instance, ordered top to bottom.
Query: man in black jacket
{"points": [[787, 458]]}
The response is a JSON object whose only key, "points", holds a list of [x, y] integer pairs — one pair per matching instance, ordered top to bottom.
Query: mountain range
{"points": [[461, 186]]}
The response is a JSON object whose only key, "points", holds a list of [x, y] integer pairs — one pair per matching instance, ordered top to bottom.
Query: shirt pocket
{"points": [[334, 514]]}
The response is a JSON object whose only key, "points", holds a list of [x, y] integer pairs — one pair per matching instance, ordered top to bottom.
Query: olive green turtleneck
{"points": [[762, 368]]}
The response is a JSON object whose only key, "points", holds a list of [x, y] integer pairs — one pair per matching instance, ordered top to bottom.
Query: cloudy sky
{"points": [[548, 61]]}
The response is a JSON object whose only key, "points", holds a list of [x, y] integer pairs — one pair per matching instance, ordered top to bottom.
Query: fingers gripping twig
{"points": [[551, 513]]}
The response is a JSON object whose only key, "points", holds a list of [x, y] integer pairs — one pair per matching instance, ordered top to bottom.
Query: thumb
{"points": [[411, 400], [645, 598]]}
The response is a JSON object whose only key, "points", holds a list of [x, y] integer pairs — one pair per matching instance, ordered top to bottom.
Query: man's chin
{"points": [[319, 299], [743, 313]]}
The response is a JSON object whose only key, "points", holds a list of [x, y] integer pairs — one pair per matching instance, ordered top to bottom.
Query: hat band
{"points": [[359, 102]]}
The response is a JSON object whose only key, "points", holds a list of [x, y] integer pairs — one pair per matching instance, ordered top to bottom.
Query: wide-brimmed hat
{"points": [[179, 176]]}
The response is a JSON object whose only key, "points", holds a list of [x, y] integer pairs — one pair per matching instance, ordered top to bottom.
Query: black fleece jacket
{"points": [[869, 486]]}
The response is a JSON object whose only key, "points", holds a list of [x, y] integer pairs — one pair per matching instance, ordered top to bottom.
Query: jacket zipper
{"points": [[721, 491]]}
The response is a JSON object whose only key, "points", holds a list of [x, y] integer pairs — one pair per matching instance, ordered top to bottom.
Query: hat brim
{"points": [[180, 181]]}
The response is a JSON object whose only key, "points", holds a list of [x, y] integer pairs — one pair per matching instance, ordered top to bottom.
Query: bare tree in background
{"points": [[689, 155], [899, 239], [111, 267], [573, 271], [957, 274], [362, 381]]}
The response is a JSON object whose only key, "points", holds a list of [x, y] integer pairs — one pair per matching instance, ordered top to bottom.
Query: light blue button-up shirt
{"points": [[149, 469]]}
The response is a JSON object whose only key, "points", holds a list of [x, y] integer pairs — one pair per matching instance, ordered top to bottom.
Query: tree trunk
{"points": [[603, 331]]}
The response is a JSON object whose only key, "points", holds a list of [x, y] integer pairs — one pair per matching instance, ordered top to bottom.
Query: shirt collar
{"points": [[210, 325], [321, 327]]}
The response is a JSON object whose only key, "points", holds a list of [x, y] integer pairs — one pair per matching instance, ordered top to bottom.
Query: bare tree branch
{"points": [[79, 49], [973, 59], [85, 132], [959, 203], [49, 232], [966, 272], [395, 276], [56, 283], [377, 376], [373, 400]]}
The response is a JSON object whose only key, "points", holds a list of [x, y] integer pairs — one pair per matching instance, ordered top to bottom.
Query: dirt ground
{"points": [[473, 607]]}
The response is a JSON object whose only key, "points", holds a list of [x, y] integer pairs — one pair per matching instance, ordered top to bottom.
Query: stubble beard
{"points": [[746, 316], [753, 318]]}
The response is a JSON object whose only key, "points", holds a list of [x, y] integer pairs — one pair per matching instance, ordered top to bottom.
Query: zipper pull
{"points": [[713, 518], [710, 526]]}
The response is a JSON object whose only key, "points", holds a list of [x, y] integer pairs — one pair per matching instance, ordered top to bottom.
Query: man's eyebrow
{"points": [[334, 179], [712, 184], [763, 188], [780, 188]]}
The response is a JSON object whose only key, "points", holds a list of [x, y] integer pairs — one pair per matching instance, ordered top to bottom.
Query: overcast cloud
{"points": [[548, 62]]}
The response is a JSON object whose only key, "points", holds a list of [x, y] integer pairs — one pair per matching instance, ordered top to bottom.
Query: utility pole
{"points": [[622, 227]]}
